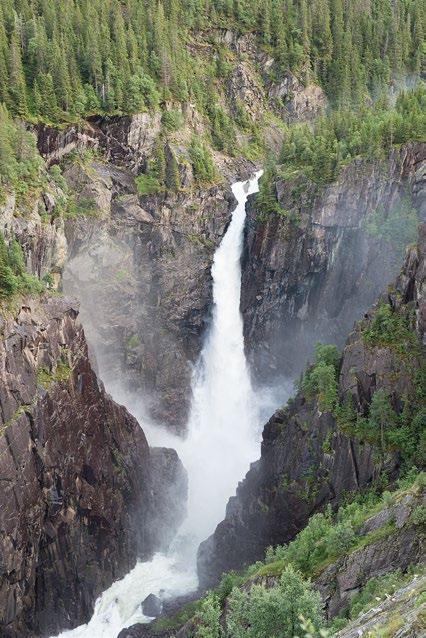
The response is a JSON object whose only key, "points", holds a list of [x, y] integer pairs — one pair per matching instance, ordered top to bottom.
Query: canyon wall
{"points": [[140, 267], [308, 280], [307, 459], [81, 487], [83, 495]]}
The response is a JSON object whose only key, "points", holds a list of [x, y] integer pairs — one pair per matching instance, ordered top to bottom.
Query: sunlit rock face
{"points": [[309, 280], [82, 493]]}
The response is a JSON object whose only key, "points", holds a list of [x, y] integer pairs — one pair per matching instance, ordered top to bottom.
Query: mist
{"points": [[223, 438]]}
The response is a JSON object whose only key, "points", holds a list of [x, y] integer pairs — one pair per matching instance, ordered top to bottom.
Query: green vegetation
{"points": [[66, 59], [321, 151], [202, 161], [20, 164], [147, 184], [13, 276], [393, 329], [61, 372], [320, 381], [388, 423], [330, 535], [378, 589], [256, 611], [276, 611], [183, 616], [208, 618]]}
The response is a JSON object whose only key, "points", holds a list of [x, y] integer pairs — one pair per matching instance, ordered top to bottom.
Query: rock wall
{"points": [[141, 269], [308, 281], [306, 460], [81, 487], [83, 495]]}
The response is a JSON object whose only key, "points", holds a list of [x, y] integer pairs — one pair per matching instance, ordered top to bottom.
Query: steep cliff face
{"points": [[141, 269], [307, 281], [307, 459], [80, 484], [83, 495]]}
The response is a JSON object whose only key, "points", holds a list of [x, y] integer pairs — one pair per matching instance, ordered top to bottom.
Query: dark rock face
{"points": [[308, 282], [306, 461], [79, 481], [168, 492], [343, 580]]}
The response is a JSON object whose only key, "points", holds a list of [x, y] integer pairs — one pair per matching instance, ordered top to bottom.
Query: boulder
{"points": [[152, 606]]}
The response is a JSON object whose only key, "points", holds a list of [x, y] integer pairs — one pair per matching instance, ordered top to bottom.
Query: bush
{"points": [[172, 120], [202, 161], [147, 185], [13, 276], [321, 379], [418, 516], [261, 613], [207, 619]]}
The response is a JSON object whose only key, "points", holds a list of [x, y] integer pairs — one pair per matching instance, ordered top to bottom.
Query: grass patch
{"points": [[148, 185], [45, 377]]}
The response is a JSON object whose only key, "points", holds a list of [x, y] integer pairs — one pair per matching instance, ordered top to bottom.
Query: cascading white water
{"points": [[223, 438]]}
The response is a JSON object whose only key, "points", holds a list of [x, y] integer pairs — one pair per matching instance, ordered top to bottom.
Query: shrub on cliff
{"points": [[202, 161], [20, 163], [13, 276], [321, 379], [262, 613], [207, 619]]}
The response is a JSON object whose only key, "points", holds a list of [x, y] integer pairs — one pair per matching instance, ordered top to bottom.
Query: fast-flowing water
{"points": [[223, 438]]}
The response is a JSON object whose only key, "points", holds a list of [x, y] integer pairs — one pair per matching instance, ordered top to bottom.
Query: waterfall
{"points": [[223, 438], [221, 442]]}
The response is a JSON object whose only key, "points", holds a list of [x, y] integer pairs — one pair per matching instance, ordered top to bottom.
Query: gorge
{"points": [[212, 319], [222, 398]]}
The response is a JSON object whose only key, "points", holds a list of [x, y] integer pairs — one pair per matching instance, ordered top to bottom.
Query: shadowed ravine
{"points": [[223, 438]]}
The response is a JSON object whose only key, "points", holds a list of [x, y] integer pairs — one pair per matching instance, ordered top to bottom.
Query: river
{"points": [[223, 438]]}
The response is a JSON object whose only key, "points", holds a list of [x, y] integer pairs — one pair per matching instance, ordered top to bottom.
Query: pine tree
{"points": [[17, 88], [45, 98]]}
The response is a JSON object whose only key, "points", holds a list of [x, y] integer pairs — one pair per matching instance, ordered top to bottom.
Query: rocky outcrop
{"points": [[254, 84], [294, 101], [123, 140], [40, 232], [307, 281], [306, 460], [80, 484], [399, 549], [400, 615]]}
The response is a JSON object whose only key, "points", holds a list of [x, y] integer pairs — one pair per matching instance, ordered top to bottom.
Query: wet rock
{"points": [[142, 275], [78, 481], [169, 490], [152, 606]]}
